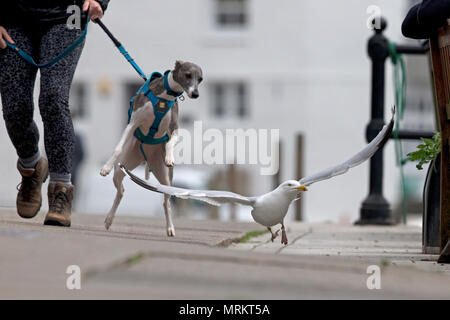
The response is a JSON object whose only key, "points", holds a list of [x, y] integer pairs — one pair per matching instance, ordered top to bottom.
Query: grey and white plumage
{"points": [[270, 208]]}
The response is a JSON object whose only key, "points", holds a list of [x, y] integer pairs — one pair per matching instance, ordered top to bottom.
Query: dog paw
{"points": [[169, 161], [106, 170], [108, 222], [171, 232]]}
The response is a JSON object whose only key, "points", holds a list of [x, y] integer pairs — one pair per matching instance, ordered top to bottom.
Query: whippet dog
{"points": [[154, 111]]}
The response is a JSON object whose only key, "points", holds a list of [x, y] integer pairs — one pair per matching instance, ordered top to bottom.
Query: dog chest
{"points": [[149, 119]]}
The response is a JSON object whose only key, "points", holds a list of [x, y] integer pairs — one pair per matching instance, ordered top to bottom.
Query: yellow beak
{"points": [[301, 188]]}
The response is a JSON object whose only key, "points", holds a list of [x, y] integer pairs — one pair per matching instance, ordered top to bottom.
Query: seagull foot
{"points": [[274, 235], [284, 239]]}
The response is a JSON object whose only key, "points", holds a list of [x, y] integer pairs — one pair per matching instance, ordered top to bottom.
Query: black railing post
{"points": [[375, 209]]}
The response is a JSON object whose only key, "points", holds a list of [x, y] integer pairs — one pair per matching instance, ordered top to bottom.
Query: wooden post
{"points": [[440, 55], [299, 160], [277, 176], [215, 184], [232, 184]]}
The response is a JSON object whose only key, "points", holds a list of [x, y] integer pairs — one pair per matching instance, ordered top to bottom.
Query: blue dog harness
{"points": [[160, 108]]}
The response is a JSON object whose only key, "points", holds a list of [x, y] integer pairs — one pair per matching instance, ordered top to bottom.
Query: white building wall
{"points": [[306, 66]]}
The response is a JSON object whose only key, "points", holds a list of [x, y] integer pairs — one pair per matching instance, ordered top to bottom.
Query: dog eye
{"points": [[188, 76], [200, 79]]}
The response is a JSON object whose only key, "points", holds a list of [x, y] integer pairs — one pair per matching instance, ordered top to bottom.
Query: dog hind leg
{"points": [[132, 160], [163, 174], [118, 178], [167, 211]]}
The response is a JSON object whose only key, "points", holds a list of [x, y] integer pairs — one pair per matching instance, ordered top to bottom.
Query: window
{"points": [[232, 13], [131, 88], [229, 99], [77, 100]]}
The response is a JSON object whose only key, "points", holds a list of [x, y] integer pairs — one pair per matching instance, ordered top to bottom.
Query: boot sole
{"points": [[32, 216], [58, 220], [56, 223]]}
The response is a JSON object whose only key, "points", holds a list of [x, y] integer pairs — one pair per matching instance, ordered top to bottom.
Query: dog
{"points": [[144, 113]]}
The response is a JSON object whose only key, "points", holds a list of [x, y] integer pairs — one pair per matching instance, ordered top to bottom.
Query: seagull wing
{"points": [[357, 159], [212, 197]]}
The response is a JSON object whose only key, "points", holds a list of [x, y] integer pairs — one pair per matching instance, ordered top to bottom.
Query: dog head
{"points": [[189, 76]]}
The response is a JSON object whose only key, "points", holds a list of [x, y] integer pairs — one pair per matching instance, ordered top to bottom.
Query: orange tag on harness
{"points": [[161, 106]]}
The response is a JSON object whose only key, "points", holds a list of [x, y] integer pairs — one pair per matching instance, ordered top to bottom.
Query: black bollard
{"points": [[375, 209]]}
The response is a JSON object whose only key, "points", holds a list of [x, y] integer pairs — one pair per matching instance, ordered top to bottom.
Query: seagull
{"points": [[271, 208]]}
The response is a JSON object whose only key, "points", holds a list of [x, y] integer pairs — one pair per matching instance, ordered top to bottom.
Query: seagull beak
{"points": [[301, 188]]}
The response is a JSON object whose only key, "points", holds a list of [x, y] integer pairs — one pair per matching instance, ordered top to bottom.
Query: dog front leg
{"points": [[127, 135], [169, 158]]}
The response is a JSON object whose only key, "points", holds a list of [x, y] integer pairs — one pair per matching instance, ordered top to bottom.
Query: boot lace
{"points": [[27, 186], [60, 200]]}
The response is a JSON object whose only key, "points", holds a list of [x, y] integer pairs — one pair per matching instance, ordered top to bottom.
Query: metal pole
{"points": [[413, 49], [413, 135], [375, 209]]}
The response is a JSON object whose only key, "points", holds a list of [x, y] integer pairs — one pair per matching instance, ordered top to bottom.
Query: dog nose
{"points": [[195, 94]]}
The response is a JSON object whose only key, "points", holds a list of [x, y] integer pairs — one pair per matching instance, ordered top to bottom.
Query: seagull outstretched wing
{"points": [[357, 159], [212, 197]]}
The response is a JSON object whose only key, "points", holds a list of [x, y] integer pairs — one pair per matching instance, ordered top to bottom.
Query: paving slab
{"points": [[395, 245], [136, 260]]}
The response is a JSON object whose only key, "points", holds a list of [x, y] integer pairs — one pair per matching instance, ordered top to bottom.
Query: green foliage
{"points": [[427, 151], [252, 234], [135, 258], [384, 262]]}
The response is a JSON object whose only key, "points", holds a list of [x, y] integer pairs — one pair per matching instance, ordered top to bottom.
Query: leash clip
{"points": [[181, 98]]}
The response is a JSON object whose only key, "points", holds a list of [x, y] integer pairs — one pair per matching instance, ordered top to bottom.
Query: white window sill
{"points": [[227, 38]]}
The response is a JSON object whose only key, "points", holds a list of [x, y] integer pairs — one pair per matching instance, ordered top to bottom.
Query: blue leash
{"points": [[77, 42], [122, 49], [59, 57], [130, 60]]}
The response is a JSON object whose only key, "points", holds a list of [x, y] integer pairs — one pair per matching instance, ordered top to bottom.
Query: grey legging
{"points": [[17, 79]]}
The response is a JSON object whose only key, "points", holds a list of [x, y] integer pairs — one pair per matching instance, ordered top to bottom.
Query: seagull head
{"points": [[292, 187]]}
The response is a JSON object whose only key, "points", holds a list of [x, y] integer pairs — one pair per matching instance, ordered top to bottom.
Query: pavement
{"points": [[136, 260]]}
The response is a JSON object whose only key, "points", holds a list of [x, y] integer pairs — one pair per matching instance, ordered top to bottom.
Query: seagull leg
{"points": [[274, 235], [284, 239]]}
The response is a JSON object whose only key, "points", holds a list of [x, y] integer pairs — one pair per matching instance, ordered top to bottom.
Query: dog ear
{"points": [[178, 64]]}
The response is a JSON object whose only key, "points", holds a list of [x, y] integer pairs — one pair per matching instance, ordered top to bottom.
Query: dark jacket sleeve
{"points": [[104, 4], [1, 15], [425, 18]]}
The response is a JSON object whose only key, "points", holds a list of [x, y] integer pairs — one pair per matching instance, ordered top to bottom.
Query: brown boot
{"points": [[29, 198], [60, 199]]}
